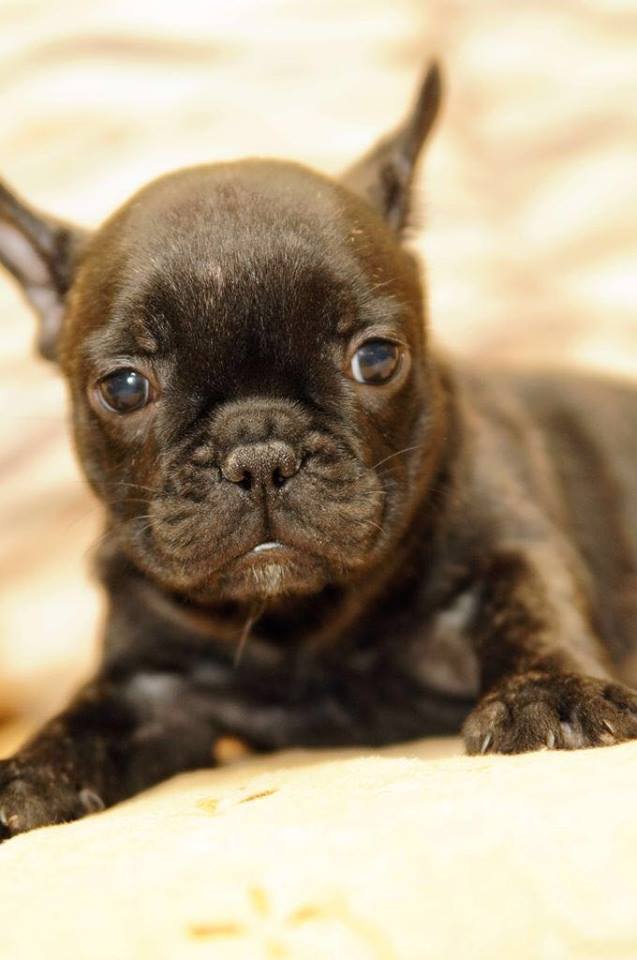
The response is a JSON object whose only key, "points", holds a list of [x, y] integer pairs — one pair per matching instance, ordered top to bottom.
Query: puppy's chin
{"points": [[271, 573]]}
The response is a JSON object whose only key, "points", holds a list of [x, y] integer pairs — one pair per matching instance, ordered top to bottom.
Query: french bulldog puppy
{"points": [[318, 530]]}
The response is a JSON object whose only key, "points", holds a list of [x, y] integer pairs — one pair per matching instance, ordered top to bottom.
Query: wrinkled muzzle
{"points": [[261, 502]]}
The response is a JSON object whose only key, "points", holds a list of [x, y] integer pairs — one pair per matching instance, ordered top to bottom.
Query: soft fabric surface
{"points": [[311, 856]]}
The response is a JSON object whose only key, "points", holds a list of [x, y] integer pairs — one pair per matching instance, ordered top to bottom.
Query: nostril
{"points": [[236, 470], [278, 478], [246, 481]]}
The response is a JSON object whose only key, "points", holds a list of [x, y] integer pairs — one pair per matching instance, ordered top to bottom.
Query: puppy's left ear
{"points": [[384, 175], [42, 253]]}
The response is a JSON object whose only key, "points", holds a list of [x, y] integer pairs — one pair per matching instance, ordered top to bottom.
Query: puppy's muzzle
{"points": [[267, 465]]}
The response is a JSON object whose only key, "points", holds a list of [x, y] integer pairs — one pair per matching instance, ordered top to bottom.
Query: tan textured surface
{"points": [[531, 204], [367, 858]]}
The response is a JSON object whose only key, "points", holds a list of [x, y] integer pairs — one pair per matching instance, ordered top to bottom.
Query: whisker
{"points": [[397, 453], [254, 615]]}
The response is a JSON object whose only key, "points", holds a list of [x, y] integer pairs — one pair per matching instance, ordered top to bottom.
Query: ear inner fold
{"points": [[384, 175], [41, 253]]}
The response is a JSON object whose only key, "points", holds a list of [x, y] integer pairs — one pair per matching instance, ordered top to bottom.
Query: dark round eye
{"points": [[375, 361], [124, 391]]}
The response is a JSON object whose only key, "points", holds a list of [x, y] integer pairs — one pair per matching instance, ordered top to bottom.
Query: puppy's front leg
{"points": [[546, 680], [121, 734]]}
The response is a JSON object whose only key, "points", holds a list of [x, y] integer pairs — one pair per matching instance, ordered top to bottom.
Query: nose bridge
{"points": [[258, 420], [260, 441]]}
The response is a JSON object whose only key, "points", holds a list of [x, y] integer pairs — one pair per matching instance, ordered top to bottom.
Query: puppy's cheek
{"points": [[117, 461], [405, 478], [336, 519], [209, 533]]}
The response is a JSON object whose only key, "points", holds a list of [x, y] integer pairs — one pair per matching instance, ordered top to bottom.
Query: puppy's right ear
{"points": [[42, 254]]}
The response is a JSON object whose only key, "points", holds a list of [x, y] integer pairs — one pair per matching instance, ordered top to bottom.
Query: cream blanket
{"points": [[411, 854]]}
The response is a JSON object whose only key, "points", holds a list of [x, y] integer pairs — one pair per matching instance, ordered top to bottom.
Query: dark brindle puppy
{"points": [[317, 532]]}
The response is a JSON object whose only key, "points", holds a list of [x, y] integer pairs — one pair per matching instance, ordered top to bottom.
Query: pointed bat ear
{"points": [[384, 175], [41, 252]]}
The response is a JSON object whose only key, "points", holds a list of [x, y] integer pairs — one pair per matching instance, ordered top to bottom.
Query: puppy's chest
{"points": [[440, 655], [393, 687]]}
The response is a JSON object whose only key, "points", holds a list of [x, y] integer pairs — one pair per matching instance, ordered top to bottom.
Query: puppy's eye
{"points": [[375, 361], [124, 391]]}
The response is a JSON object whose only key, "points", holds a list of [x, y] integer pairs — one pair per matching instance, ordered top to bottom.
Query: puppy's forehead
{"points": [[220, 210], [245, 251]]}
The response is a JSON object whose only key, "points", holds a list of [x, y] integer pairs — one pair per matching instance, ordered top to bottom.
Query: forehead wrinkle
{"points": [[371, 311], [126, 333], [143, 333], [104, 342]]}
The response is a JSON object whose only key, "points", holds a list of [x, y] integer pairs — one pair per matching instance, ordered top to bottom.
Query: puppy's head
{"points": [[252, 396]]}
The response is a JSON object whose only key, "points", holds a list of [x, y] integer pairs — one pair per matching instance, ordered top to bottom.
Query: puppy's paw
{"points": [[554, 711], [37, 796]]}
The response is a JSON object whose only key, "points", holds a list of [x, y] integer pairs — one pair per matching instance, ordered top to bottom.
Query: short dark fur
{"points": [[461, 544]]}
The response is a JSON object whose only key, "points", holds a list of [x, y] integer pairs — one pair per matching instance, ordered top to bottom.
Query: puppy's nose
{"points": [[268, 464]]}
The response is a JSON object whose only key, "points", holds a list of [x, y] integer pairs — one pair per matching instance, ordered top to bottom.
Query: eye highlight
{"points": [[376, 361], [124, 391]]}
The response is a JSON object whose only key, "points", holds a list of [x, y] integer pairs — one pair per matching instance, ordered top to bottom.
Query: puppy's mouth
{"points": [[267, 552]]}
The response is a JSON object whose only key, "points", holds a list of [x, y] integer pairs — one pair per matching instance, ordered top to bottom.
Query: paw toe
{"points": [[535, 726], [483, 727]]}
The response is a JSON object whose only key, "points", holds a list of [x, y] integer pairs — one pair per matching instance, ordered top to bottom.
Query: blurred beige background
{"points": [[529, 197]]}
